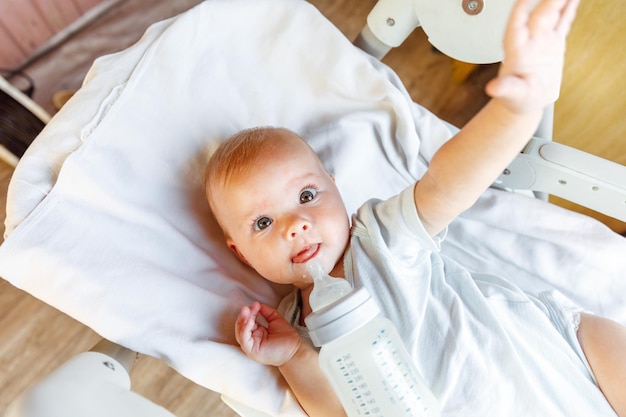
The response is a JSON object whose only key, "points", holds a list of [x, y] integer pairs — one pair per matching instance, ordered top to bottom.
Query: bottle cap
{"points": [[341, 317]]}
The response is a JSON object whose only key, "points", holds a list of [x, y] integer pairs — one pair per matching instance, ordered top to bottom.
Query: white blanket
{"points": [[107, 219]]}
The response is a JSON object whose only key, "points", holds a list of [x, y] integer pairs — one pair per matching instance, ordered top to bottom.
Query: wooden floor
{"points": [[34, 338]]}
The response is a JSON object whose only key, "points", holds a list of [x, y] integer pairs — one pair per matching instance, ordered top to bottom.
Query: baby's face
{"points": [[284, 213]]}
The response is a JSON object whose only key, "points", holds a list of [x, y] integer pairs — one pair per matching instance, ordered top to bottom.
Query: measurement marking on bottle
{"points": [[377, 379], [399, 384], [362, 396]]}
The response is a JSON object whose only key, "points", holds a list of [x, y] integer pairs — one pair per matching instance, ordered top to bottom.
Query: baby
{"points": [[485, 347]]}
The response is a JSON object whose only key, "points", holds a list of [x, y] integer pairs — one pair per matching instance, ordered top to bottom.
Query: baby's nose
{"points": [[298, 226]]}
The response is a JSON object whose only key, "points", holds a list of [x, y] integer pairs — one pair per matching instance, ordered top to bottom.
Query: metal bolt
{"points": [[473, 7], [390, 21], [506, 172], [562, 182], [109, 365]]}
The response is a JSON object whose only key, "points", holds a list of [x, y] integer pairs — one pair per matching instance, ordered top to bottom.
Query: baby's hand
{"points": [[529, 78], [271, 345]]}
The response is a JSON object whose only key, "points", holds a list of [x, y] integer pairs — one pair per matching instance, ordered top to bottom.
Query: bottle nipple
{"points": [[326, 289]]}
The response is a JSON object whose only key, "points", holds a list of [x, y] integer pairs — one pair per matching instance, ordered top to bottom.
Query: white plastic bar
{"points": [[388, 24], [571, 174], [94, 384]]}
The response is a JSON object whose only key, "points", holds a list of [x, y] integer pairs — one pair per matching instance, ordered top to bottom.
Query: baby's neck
{"points": [[338, 271], [305, 308]]}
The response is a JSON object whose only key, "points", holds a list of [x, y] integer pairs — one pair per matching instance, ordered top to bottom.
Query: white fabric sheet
{"points": [[107, 219]]}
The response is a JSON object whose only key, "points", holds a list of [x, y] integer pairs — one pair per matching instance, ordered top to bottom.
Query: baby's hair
{"points": [[234, 155], [236, 158]]}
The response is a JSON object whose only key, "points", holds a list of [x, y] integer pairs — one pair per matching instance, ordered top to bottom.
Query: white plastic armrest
{"points": [[388, 24], [571, 174], [93, 384]]}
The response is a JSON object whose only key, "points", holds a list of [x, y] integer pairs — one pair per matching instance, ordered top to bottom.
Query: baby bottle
{"points": [[362, 354]]}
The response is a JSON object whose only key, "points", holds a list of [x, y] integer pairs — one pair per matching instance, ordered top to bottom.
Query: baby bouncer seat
{"points": [[107, 220]]}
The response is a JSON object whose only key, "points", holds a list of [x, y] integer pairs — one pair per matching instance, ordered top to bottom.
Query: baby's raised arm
{"points": [[529, 80]]}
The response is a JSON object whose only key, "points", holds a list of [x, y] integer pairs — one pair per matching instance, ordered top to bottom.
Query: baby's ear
{"points": [[231, 245]]}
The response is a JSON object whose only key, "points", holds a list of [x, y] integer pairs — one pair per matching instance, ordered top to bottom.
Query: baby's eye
{"points": [[307, 195], [262, 222]]}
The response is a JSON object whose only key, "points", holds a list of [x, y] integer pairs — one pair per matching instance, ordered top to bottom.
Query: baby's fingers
{"points": [[553, 16], [567, 17], [245, 325]]}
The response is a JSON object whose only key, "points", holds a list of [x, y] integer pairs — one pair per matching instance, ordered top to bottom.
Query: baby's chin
{"points": [[302, 282]]}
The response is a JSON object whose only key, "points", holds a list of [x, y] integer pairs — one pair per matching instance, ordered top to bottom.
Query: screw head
{"points": [[473, 7]]}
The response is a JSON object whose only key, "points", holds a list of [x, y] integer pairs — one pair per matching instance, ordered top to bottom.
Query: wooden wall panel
{"points": [[84, 5], [58, 13], [25, 25], [10, 52]]}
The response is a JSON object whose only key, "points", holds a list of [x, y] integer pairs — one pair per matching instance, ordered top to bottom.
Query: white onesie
{"points": [[483, 346]]}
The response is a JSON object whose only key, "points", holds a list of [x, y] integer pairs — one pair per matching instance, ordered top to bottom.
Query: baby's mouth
{"points": [[306, 254]]}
